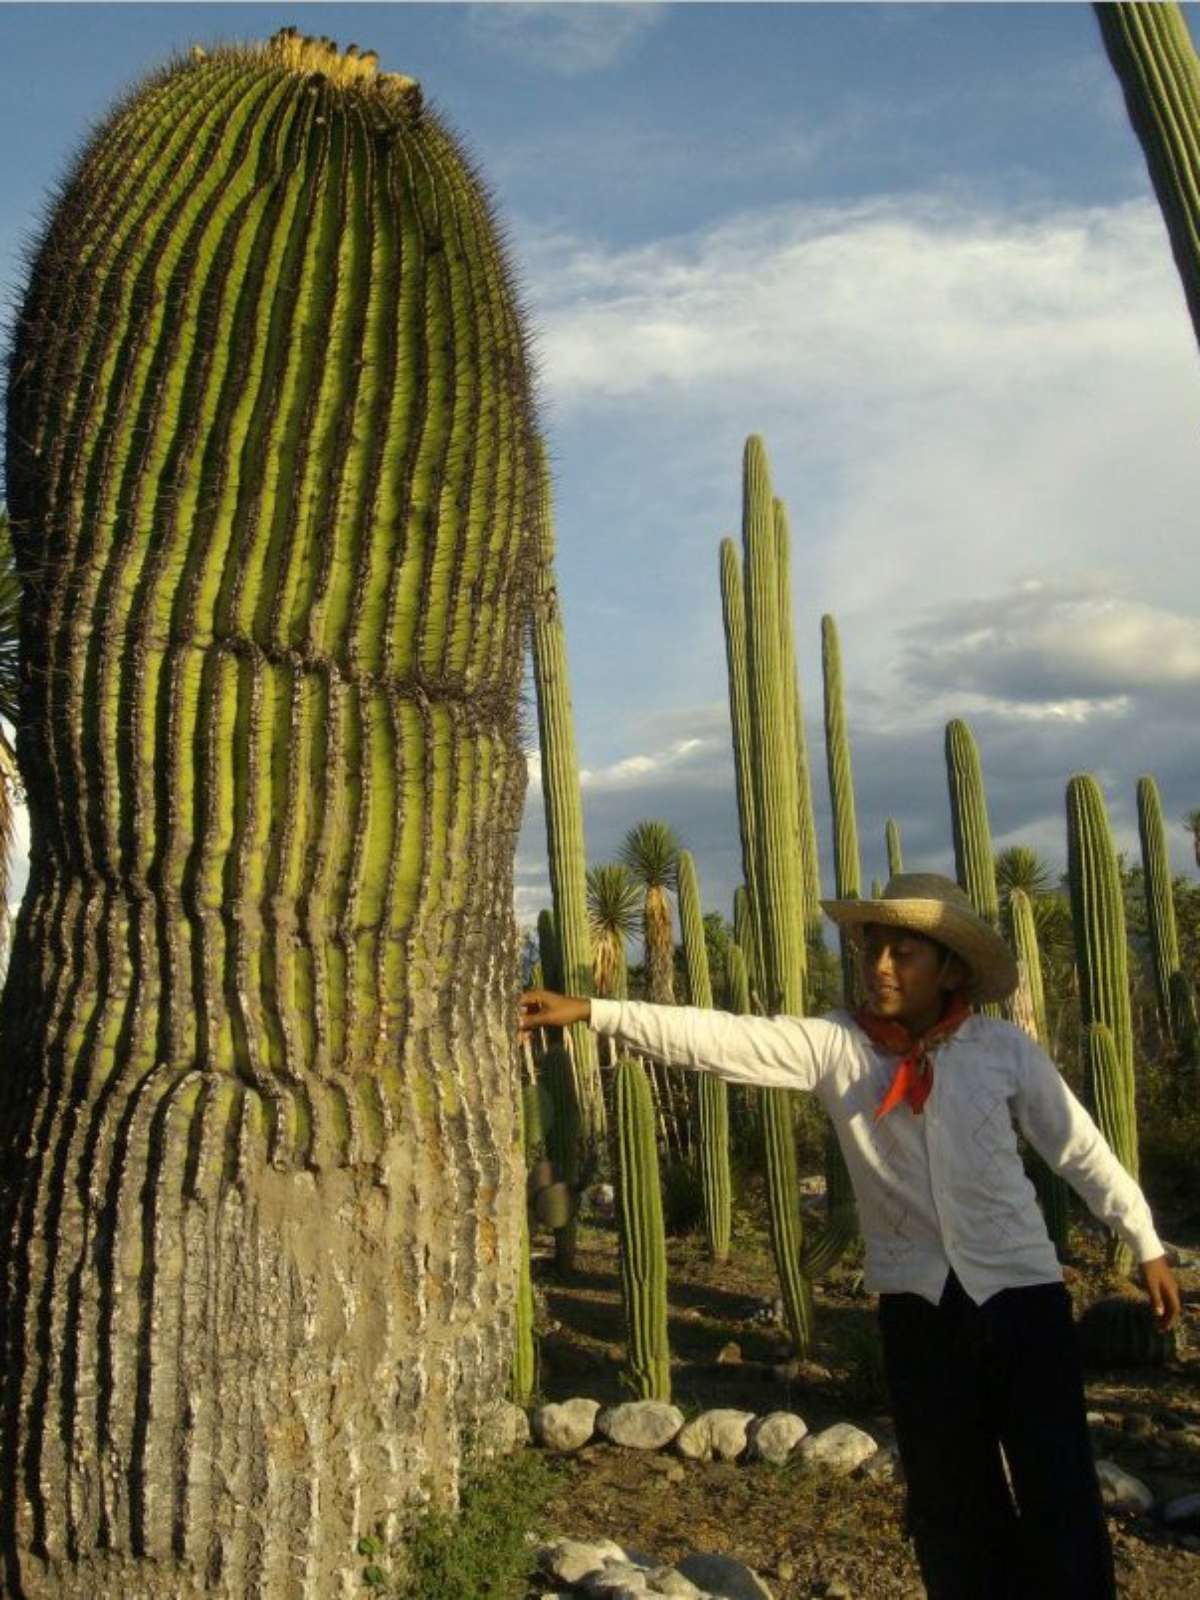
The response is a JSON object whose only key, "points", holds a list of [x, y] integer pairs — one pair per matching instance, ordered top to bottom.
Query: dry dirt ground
{"points": [[802, 1533]]}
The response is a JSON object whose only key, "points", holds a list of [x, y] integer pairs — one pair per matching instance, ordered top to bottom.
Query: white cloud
{"points": [[566, 39]]}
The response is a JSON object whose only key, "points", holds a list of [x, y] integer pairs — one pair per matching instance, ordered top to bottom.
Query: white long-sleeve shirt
{"points": [[945, 1188]]}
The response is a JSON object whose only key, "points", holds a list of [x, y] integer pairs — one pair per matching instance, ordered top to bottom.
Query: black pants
{"points": [[964, 1380]]}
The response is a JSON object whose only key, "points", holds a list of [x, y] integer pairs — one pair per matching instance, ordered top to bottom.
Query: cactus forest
{"points": [[280, 1195]]}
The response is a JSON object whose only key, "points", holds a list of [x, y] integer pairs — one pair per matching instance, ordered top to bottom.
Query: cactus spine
{"points": [[1151, 52], [271, 447], [564, 813], [895, 858], [847, 870], [1160, 902], [1029, 1012], [712, 1092], [643, 1252]]}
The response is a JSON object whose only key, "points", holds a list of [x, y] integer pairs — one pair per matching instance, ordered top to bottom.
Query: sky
{"points": [[914, 248]]}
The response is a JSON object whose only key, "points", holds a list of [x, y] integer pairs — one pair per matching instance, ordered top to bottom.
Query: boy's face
{"points": [[907, 975]]}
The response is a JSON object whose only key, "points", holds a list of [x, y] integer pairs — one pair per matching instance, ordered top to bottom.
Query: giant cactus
{"points": [[1151, 52], [271, 469], [564, 812], [894, 854], [810, 861], [974, 863], [846, 866], [1160, 902], [1029, 1013], [712, 1093], [1116, 1113], [643, 1256]]}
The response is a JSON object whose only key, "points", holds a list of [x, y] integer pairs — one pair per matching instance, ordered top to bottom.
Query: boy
{"points": [[979, 1344]]}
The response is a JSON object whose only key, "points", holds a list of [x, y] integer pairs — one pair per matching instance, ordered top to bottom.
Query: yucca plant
{"points": [[271, 464], [650, 851], [615, 914]]}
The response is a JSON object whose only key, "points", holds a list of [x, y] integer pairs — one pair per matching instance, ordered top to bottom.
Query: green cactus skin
{"points": [[1151, 52], [272, 471], [733, 612], [565, 847], [895, 857], [810, 862], [974, 862], [846, 867], [876, 889], [1160, 902], [1098, 917], [745, 936], [549, 951], [737, 979], [1029, 1013], [1185, 1023], [712, 1099], [1116, 1116], [562, 1141], [643, 1253], [1120, 1332]]}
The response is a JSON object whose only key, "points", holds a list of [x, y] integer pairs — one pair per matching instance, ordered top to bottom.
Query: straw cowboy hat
{"points": [[935, 906]]}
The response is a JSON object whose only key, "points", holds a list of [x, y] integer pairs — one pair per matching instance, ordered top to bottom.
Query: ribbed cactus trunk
{"points": [[1151, 52], [270, 462], [565, 849], [974, 863], [846, 865], [1160, 902], [1098, 916], [1029, 1013], [712, 1093], [1116, 1115], [643, 1251]]}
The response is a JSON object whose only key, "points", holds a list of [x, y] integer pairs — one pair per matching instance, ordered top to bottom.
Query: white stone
{"points": [[641, 1424], [565, 1426], [503, 1429], [720, 1433], [775, 1436], [839, 1449], [884, 1466], [1120, 1490], [1184, 1508], [570, 1560], [723, 1576], [616, 1580], [669, 1581]]}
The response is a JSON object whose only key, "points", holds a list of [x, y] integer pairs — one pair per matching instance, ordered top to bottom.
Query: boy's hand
{"points": [[542, 1008], [1163, 1291]]}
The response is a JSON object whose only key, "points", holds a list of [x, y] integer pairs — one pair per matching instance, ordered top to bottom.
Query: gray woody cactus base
{"points": [[273, 477]]}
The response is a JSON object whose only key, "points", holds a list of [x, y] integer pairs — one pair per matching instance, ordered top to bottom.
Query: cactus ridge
{"points": [[895, 856], [810, 863], [846, 863], [1098, 916], [1029, 1012], [712, 1093]]}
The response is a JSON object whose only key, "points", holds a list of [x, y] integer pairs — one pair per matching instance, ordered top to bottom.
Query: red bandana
{"points": [[913, 1078]]}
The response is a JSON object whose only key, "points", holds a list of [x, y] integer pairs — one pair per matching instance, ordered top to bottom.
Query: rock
{"points": [[603, 1198], [729, 1354], [811, 1373], [1097, 1419], [640, 1424], [1138, 1425], [566, 1426], [503, 1429], [719, 1433], [775, 1436], [838, 1449], [884, 1466], [675, 1473], [1120, 1490], [1182, 1511], [570, 1560], [785, 1570], [724, 1577], [615, 1580], [670, 1581], [837, 1589]]}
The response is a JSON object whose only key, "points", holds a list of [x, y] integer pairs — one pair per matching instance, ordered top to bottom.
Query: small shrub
{"points": [[482, 1553]]}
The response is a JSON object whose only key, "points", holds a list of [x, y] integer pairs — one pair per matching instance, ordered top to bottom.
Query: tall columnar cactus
{"points": [[1151, 52], [272, 474], [733, 613], [561, 794], [895, 858], [810, 861], [974, 862], [846, 867], [1160, 902], [1098, 917], [745, 937], [549, 950], [737, 981], [1029, 1012], [712, 1096], [1116, 1114], [563, 1146], [643, 1254], [523, 1378]]}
